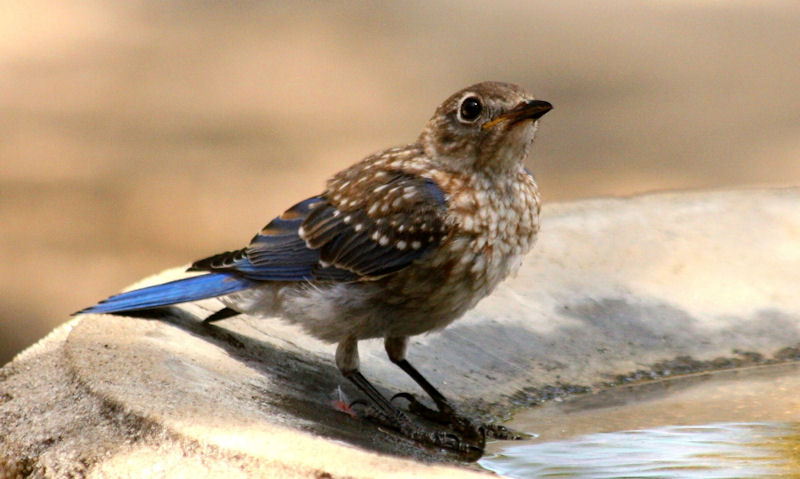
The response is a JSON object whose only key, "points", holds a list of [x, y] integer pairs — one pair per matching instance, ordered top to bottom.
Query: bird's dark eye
{"points": [[471, 109]]}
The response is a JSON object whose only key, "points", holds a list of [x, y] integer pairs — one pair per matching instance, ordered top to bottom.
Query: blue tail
{"points": [[179, 291]]}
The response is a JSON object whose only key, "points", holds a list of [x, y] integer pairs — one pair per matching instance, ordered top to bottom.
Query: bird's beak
{"points": [[527, 110]]}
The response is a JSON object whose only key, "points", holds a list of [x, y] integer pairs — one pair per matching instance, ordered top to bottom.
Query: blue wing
{"points": [[344, 235], [334, 238], [277, 253]]}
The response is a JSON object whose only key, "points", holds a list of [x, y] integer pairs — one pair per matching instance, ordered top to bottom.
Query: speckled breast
{"points": [[494, 226]]}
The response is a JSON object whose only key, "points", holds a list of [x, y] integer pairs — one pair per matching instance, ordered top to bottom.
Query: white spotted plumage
{"points": [[457, 211]]}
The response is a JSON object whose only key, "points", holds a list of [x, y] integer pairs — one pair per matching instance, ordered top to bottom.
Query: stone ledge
{"points": [[614, 286]]}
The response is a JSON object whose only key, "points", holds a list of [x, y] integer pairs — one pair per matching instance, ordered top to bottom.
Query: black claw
{"points": [[408, 396], [358, 402], [446, 416], [464, 425], [464, 438], [468, 447]]}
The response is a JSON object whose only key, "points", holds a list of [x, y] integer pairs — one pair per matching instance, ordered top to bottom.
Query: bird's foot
{"points": [[446, 415], [469, 447]]}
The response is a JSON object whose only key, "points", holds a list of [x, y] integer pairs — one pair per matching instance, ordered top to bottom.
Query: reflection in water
{"points": [[722, 450]]}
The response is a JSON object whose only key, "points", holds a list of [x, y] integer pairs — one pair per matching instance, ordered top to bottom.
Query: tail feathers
{"points": [[179, 291]]}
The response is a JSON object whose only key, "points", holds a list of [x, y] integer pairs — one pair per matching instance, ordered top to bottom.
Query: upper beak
{"points": [[531, 109]]}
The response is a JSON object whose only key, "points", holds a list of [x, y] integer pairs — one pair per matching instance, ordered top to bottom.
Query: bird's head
{"points": [[488, 126]]}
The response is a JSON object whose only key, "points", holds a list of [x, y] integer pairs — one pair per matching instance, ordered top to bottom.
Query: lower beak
{"points": [[527, 110]]}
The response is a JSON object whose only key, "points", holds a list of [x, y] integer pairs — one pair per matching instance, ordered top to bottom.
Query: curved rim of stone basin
{"points": [[616, 289]]}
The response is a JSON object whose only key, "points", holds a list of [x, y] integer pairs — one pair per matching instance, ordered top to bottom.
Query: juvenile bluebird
{"points": [[401, 243]]}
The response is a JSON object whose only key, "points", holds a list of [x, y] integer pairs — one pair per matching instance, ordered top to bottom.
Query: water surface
{"points": [[729, 424]]}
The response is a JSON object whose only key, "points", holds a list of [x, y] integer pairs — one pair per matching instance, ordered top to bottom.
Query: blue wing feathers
{"points": [[331, 250], [277, 253], [179, 291]]}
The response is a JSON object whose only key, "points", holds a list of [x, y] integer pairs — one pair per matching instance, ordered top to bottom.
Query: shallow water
{"points": [[729, 424], [723, 450]]}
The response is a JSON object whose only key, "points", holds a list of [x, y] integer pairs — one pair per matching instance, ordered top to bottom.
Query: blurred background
{"points": [[137, 136]]}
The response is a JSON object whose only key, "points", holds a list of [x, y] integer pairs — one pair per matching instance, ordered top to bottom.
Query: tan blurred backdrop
{"points": [[136, 136]]}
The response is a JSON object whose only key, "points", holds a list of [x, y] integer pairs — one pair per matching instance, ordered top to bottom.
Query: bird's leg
{"points": [[396, 350], [447, 413], [390, 416]]}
